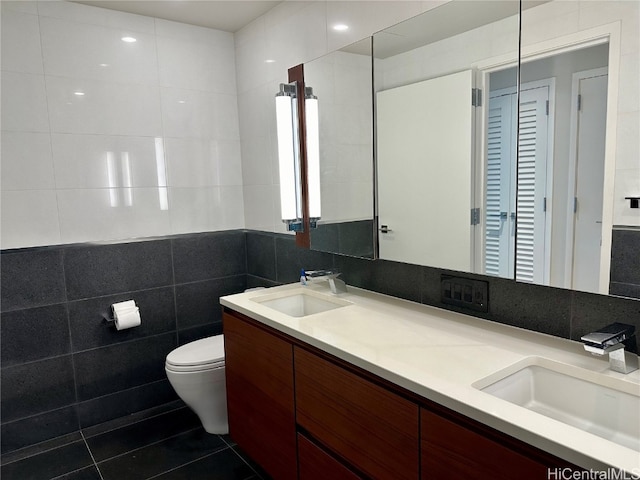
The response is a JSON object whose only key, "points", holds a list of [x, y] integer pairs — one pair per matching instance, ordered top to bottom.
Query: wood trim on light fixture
{"points": [[296, 74]]}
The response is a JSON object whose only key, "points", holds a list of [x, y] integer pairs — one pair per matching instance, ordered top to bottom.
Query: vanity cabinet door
{"points": [[259, 376], [373, 429], [452, 451], [316, 464]]}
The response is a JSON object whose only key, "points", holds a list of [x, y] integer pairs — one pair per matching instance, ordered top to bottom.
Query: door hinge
{"points": [[476, 97], [579, 102], [547, 108], [544, 204], [575, 204], [475, 216]]}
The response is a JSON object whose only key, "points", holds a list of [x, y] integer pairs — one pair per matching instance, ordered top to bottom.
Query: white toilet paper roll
{"points": [[123, 306], [126, 314], [126, 318]]}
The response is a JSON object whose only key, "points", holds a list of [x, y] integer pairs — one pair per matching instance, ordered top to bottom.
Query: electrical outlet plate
{"points": [[465, 293]]}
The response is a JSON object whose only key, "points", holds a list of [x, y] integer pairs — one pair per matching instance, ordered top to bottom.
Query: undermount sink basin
{"points": [[300, 302], [599, 404]]}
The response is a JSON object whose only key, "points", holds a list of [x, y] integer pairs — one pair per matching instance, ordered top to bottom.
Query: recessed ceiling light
{"points": [[340, 27], [128, 39], [269, 61], [103, 65], [80, 94], [182, 101]]}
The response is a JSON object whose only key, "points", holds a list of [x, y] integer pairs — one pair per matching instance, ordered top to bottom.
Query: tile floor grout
{"points": [[126, 424], [83, 436], [146, 445], [218, 454], [93, 459], [188, 463]]}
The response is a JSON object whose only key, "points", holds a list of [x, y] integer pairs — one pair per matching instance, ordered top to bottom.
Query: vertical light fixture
{"points": [[313, 155], [289, 157]]}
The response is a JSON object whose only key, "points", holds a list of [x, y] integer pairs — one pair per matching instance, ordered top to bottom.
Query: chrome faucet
{"points": [[336, 285], [612, 340]]}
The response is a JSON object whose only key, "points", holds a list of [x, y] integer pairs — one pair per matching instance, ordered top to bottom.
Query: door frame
{"points": [[571, 187]]}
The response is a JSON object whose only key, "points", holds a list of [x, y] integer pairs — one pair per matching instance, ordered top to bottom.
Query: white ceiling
{"points": [[227, 15]]}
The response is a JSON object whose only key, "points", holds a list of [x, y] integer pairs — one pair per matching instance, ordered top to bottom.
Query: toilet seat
{"points": [[204, 354]]}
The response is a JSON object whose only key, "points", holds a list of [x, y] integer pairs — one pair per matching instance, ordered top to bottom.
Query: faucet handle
{"points": [[322, 273], [610, 335]]}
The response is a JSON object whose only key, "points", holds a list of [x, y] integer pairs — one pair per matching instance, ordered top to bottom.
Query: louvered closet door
{"points": [[532, 180], [499, 188]]}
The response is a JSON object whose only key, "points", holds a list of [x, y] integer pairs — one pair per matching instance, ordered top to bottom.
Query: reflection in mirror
{"points": [[428, 73], [342, 82], [556, 188], [535, 192]]}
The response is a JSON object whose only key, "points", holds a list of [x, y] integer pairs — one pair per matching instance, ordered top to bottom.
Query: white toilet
{"points": [[196, 372]]}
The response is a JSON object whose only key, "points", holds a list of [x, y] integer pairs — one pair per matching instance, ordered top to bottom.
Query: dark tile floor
{"points": [[167, 446]]}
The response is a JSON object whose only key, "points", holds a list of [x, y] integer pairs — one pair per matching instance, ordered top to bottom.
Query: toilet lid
{"points": [[209, 350]]}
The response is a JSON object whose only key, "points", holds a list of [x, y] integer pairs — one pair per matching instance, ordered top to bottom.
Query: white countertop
{"points": [[439, 354]]}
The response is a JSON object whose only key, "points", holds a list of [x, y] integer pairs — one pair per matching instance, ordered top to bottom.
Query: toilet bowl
{"points": [[196, 373]]}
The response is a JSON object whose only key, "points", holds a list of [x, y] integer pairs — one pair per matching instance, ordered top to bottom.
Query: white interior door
{"points": [[424, 152], [590, 154]]}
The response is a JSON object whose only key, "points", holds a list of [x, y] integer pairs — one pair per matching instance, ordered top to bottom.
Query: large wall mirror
{"points": [[342, 83], [489, 158], [478, 175]]}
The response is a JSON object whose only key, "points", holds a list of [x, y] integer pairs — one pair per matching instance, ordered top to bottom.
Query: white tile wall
{"points": [[20, 29], [24, 102], [103, 108], [152, 147], [26, 161], [85, 161], [29, 217]]}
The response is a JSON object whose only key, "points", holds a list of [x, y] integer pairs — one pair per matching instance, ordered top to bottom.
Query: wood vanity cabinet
{"points": [[260, 401], [342, 423], [372, 428], [454, 446], [314, 463]]}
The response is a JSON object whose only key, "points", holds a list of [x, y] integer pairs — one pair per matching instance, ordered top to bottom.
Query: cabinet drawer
{"points": [[259, 376], [373, 429], [452, 451], [316, 464]]}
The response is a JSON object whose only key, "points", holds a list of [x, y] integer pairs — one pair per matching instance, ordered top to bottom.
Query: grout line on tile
{"points": [[124, 342], [132, 423], [225, 441], [149, 444], [20, 452], [189, 463], [247, 463], [95, 464], [65, 475]]}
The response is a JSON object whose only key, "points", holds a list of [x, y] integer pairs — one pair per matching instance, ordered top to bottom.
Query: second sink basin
{"points": [[300, 302], [602, 405]]}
